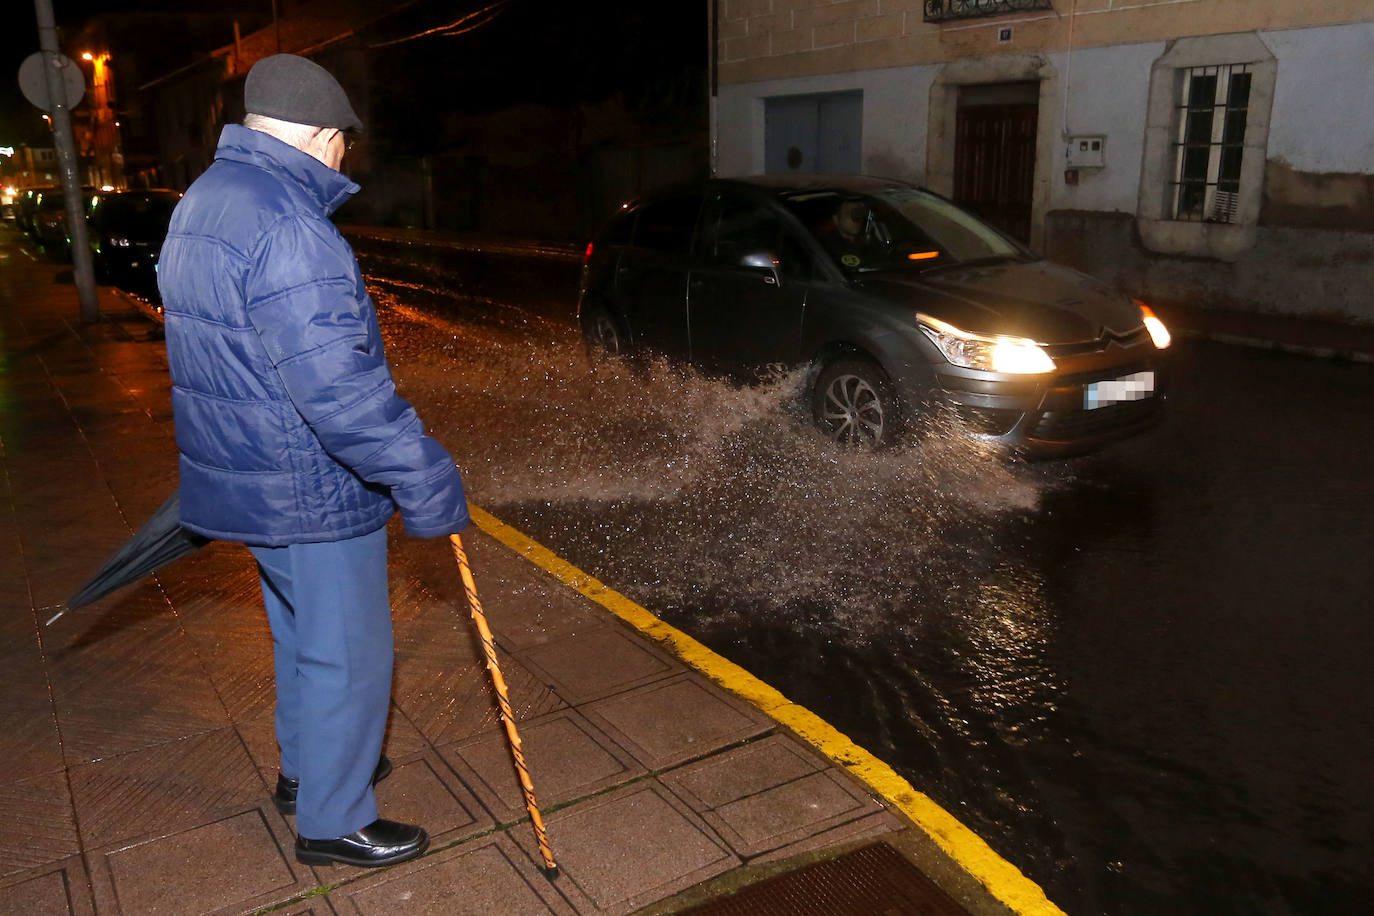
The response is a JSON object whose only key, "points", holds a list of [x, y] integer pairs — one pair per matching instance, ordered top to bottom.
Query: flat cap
{"points": [[293, 88]]}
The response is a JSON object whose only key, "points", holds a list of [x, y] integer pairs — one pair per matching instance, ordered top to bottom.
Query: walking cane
{"points": [[549, 869]]}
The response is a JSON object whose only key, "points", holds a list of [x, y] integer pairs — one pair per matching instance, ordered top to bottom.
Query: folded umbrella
{"points": [[160, 541]]}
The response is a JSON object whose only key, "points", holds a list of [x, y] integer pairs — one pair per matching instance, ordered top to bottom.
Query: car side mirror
{"points": [[764, 263]]}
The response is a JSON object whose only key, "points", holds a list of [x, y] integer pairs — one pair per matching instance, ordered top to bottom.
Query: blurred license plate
{"points": [[1135, 387]]}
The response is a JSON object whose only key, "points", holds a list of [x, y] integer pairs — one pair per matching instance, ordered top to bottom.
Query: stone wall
{"points": [[778, 39], [1309, 271]]}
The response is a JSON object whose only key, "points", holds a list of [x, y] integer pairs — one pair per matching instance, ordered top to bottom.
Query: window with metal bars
{"points": [[943, 10], [1210, 142]]}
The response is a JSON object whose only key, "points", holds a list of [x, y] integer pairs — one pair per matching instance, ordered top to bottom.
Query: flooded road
{"points": [[1141, 676]]}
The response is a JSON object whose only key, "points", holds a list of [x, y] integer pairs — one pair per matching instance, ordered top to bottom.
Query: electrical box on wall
{"points": [[1086, 152]]}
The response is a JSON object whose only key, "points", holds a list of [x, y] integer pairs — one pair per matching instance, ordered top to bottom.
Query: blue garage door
{"points": [[814, 133]]}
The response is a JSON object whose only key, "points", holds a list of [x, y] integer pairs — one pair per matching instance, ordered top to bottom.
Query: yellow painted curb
{"points": [[1002, 879]]}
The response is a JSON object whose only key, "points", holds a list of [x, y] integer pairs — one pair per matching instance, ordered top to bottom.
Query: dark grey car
{"points": [[125, 231], [896, 299]]}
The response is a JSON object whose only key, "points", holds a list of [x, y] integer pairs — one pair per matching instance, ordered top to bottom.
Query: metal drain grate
{"points": [[873, 881]]}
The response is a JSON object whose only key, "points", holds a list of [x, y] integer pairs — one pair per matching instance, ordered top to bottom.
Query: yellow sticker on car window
{"points": [[850, 260]]}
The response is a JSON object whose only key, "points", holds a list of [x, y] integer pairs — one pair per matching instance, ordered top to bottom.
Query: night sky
{"points": [[552, 53], [19, 120]]}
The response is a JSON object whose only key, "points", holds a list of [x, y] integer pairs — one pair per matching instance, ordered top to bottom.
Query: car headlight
{"points": [[119, 241], [1158, 332], [1019, 355]]}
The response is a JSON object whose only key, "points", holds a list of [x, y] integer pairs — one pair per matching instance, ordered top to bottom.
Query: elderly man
{"points": [[294, 441]]}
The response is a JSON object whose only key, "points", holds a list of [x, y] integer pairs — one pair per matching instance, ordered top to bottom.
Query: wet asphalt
{"points": [[1141, 676]]}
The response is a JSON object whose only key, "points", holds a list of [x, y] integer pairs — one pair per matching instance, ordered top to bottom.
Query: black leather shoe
{"points": [[285, 796], [379, 843]]}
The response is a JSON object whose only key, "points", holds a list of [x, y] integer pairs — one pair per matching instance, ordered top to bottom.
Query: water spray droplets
{"points": [[700, 497]]}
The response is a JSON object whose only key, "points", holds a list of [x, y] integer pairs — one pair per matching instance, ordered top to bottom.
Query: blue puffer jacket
{"points": [[287, 420]]}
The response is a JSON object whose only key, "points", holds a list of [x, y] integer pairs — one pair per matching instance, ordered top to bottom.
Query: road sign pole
{"points": [[66, 160]]}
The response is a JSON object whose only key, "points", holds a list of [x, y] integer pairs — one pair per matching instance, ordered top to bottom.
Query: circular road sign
{"points": [[34, 84]]}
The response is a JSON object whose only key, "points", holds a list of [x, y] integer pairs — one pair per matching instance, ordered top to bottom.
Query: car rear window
{"points": [[667, 225], [734, 227], [618, 229]]}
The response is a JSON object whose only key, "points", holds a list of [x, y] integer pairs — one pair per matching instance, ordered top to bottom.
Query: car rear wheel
{"points": [[601, 332], [853, 403]]}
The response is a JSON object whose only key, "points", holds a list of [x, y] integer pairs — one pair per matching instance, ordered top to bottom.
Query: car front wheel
{"points": [[853, 403]]}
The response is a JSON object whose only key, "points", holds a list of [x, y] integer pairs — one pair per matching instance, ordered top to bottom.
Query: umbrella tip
{"points": [[550, 872]]}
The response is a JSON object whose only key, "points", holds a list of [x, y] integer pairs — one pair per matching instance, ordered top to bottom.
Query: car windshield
{"points": [[898, 229]]}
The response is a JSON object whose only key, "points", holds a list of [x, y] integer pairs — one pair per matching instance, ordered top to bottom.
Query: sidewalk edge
{"points": [[968, 850]]}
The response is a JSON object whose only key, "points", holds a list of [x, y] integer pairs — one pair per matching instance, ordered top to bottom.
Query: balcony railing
{"points": [[942, 10]]}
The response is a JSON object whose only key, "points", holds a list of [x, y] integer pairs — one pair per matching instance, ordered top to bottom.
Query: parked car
{"points": [[26, 202], [50, 219], [126, 231], [897, 299]]}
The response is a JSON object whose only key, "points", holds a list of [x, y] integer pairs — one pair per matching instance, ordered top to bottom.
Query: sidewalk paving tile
{"points": [[67, 509], [54, 575], [219, 580], [411, 599], [525, 606], [237, 658], [596, 663], [443, 685], [132, 689], [673, 721], [259, 737], [403, 739], [29, 740], [567, 756], [741, 772], [164, 789], [422, 790], [773, 793], [789, 813], [39, 825], [868, 828], [630, 847], [234, 863], [486, 876], [58, 889], [315, 906]]}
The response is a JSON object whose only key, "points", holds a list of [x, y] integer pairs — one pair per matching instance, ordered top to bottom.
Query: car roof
{"points": [[791, 183], [778, 186]]}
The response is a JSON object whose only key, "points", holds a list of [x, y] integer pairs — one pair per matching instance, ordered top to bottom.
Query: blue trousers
{"points": [[331, 640]]}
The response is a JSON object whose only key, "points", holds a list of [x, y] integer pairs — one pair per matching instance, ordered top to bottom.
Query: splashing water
{"points": [[691, 492], [888, 590]]}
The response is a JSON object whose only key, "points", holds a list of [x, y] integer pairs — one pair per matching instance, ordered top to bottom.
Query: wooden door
{"points": [[994, 164]]}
